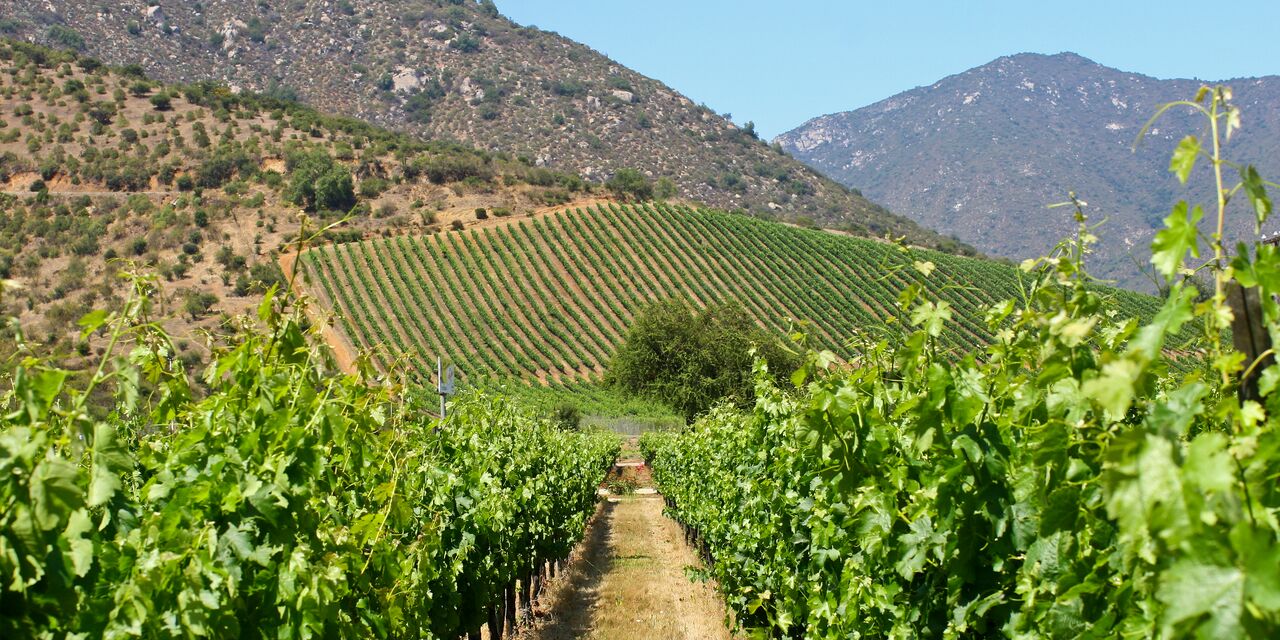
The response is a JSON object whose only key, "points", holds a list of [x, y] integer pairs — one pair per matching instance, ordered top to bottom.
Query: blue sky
{"points": [[779, 63]]}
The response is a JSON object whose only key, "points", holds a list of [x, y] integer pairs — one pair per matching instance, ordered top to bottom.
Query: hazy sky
{"points": [[779, 63]]}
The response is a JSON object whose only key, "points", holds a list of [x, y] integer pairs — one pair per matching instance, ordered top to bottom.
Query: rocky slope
{"points": [[456, 69], [981, 153], [103, 171]]}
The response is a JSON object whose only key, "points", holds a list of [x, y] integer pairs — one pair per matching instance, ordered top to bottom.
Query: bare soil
{"points": [[628, 578], [629, 581]]}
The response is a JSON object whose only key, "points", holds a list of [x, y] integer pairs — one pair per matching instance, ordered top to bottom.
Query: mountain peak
{"points": [[979, 154]]}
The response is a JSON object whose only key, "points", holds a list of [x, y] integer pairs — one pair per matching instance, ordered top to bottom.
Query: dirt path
{"points": [[343, 353], [628, 581]]}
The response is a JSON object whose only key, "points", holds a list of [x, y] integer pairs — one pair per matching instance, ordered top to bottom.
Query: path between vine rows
{"points": [[628, 578]]}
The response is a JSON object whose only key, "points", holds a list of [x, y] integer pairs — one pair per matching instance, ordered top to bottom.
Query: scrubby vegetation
{"points": [[459, 70], [204, 187]]}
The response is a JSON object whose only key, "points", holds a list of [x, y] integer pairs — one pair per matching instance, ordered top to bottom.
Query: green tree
{"points": [[161, 101], [318, 183], [629, 183], [665, 189], [197, 304], [692, 359]]}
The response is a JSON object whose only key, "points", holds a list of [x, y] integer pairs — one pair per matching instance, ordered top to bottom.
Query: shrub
{"points": [[65, 36], [465, 43], [569, 88], [161, 101], [418, 106], [102, 112], [224, 165], [453, 168], [318, 183], [629, 183], [372, 187], [665, 189], [481, 213], [457, 225], [265, 274], [197, 304], [693, 359], [566, 415]]}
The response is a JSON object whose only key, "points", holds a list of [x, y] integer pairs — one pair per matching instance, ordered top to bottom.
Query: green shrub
{"points": [[65, 36], [318, 183], [630, 183], [693, 359]]}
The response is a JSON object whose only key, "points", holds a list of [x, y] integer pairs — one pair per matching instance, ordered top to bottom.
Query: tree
{"points": [[161, 101], [318, 183], [629, 183], [665, 189], [197, 303], [693, 359], [567, 416]]}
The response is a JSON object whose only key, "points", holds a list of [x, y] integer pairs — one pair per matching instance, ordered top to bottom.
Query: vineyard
{"points": [[552, 296], [1065, 481], [286, 502]]}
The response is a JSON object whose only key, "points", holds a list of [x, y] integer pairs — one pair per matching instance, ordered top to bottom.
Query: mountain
{"points": [[458, 70], [980, 154], [103, 171]]}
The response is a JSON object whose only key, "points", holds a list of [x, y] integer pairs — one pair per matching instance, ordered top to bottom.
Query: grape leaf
{"points": [[1184, 158], [1178, 237]]}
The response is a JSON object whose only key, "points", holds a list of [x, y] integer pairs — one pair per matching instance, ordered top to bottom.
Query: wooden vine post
{"points": [[1249, 332]]}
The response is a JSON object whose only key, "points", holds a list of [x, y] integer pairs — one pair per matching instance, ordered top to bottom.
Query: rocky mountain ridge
{"points": [[980, 154]]}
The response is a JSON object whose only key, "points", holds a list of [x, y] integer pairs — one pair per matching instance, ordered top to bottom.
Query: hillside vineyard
{"points": [[552, 296]]}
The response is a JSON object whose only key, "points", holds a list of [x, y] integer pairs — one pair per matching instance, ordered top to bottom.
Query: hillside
{"points": [[457, 70], [981, 153], [103, 170], [551, 297]]}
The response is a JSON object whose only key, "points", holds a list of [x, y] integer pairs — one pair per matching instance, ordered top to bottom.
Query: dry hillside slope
{"points": [[456, 69], [103, 171]]}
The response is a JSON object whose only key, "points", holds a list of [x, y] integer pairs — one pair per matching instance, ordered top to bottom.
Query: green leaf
{"points": [[1184, 158], [1256, 191], [1178, 237], [931, 316], [91, 322], [1269, 380], [47, 385], [1113, 390], [1179, 409], [110, 458], [1208, 464], [1141, 477], [54, 494], [917, 545], [80, 552], [1208, 597]]}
